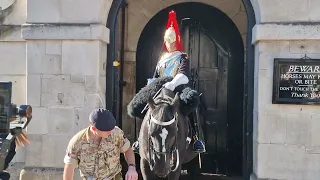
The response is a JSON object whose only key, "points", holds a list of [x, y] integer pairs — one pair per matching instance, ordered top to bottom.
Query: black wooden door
{"points": [[209, 67], [209, 70]]}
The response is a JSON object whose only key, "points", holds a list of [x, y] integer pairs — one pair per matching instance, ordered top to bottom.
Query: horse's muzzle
{"points": [[162, 172], [162, 176]]}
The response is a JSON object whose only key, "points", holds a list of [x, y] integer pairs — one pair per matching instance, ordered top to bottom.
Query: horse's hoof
{"points": [[4, 176]]}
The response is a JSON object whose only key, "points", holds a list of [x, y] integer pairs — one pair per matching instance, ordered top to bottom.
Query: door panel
{"points": [[207, 51], [209, 69]]}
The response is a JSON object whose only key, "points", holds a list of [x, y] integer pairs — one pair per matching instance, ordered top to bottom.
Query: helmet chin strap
{"points": [[172, 51]]}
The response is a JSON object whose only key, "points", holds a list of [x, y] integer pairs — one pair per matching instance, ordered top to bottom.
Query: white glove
{"points": [[176, 81], [170, 86], [132, 174]]}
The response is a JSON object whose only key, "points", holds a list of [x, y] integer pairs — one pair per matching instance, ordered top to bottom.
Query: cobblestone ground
{"points": [[15, 168], [16, 171], [185, 176], [204, 177], [209, 177]]}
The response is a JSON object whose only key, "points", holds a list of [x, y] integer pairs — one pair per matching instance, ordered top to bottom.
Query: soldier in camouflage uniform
{"points": [[96, 150]]}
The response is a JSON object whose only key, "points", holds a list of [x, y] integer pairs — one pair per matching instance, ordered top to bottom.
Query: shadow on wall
{"points": [[6, 7]]}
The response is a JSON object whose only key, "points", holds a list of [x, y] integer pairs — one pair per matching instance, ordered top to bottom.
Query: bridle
{"points": [[173, 149]]}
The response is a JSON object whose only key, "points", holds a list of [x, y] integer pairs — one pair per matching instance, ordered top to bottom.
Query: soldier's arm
{"points": [[125, 148], [130, 158], [71, 159], [68, 172]]}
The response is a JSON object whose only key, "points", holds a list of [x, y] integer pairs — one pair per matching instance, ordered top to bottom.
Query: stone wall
{"points": [[286, 10], [13, 12], [13, 54], [59, 70], [65, 82], [286, 137]]}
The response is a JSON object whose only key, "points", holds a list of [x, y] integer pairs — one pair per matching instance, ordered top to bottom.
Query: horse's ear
{"points": [[176, 101], [151, 103]]}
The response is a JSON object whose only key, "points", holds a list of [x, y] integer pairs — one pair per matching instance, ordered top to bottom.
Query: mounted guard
{"points": [[172, 72]]}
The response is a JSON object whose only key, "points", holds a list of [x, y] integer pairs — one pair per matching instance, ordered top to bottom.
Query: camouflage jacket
{"points": [[94, 160]]}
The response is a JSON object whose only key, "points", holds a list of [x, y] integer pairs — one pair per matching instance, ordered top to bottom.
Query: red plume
{"points": [[172, 21]]}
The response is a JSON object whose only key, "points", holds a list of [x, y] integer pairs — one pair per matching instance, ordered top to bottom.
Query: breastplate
{"points": [[170, 68]]}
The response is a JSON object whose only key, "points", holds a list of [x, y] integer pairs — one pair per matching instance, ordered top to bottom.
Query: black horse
{"points": [[163, 137]]}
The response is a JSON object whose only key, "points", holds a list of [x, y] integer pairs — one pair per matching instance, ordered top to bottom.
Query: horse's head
{"points": [[163, 132]]}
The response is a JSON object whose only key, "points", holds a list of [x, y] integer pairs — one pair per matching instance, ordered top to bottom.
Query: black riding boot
{"points": [[198, 145]]}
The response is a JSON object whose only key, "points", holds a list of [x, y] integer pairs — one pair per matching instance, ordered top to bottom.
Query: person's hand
{"points": [[169, 86], [132, 173]]}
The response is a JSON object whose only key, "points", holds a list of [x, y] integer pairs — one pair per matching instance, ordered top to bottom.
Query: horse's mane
{"points": [[163, 99], [140, 100], [164, 106]]}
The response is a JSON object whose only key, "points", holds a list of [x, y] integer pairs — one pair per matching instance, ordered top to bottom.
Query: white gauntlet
{"points": [[177, 80]]}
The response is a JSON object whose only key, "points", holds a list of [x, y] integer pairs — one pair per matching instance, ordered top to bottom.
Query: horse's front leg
{"points": [[147, 174], [175, 175]]}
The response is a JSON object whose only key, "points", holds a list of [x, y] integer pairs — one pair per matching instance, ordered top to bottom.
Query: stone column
{"points": [[13, 62], [65, 62], [65, 82], [129, 90]]}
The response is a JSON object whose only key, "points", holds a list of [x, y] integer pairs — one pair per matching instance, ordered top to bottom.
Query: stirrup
{"points": [[198, 146], [135, 147]]}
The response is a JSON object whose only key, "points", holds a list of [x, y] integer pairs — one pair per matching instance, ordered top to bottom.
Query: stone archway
{"points": [[140, 12]]}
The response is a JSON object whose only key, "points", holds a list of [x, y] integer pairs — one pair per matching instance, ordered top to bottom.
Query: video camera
{"points": [[11, 120]]}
